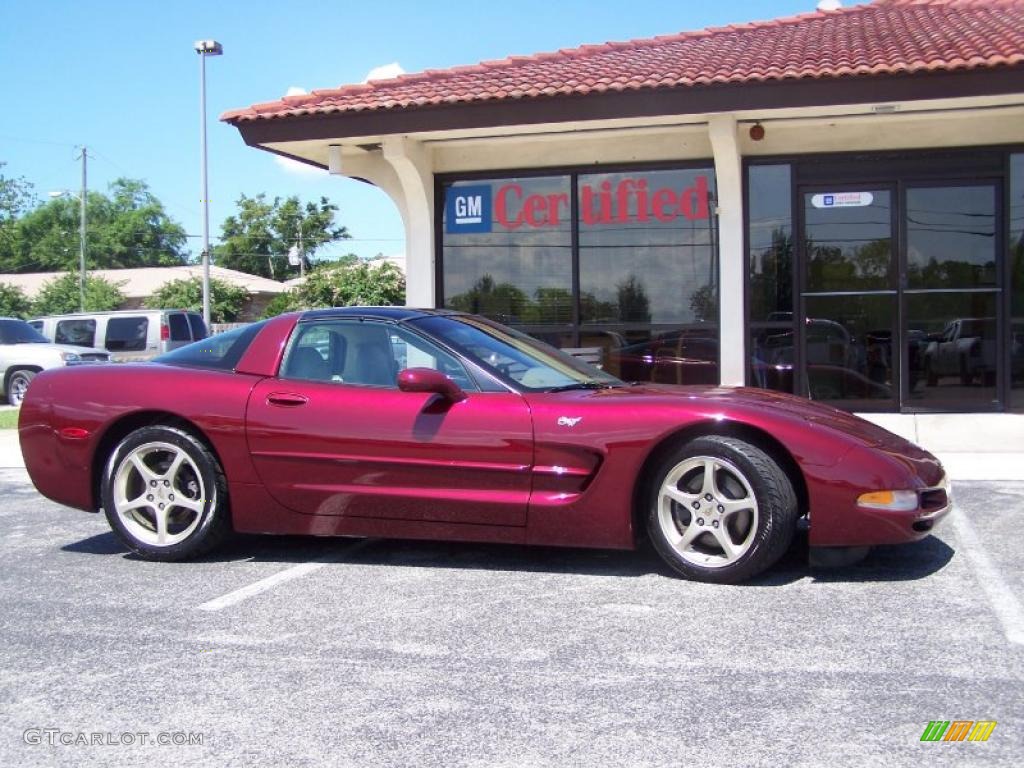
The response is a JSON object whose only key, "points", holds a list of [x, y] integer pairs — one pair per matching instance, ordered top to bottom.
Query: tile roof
{"points": [[882, 38]]}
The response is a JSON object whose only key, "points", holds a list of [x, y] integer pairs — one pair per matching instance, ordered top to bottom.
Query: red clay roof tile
{"points": [[884, 37]]}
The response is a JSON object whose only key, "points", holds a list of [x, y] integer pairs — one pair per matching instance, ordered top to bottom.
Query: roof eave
{"points": [[691, 100]]}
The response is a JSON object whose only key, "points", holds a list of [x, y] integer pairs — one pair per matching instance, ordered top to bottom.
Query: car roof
{"points": [[114, 312], [394, 314]]}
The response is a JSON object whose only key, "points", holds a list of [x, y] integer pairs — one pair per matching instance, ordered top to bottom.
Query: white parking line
{"points": [[281, 577], [1004, 603]]}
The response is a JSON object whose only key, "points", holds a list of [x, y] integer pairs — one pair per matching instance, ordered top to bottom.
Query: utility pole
{"points": [[205, 48], [81, 235], [302, 254]]}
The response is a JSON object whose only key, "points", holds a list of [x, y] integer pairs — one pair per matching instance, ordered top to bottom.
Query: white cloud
{"points": [[385, 72]]}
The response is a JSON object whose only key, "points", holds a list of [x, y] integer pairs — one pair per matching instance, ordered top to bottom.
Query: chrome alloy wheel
{"points": [[19, 387], [159, 494], [707, 511]]}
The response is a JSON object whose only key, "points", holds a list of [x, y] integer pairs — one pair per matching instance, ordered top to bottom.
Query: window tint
{"points": [[37, 324], [198, 326], [179, 327], [19, 332], [80, 332], [127, 333], [222, 351], [364, 353]]}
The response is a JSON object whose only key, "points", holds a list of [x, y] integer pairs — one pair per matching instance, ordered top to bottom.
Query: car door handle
{"points": [[286, 399]]}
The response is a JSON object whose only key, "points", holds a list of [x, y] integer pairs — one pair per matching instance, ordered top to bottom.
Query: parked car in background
{"points": [[130, 335], [966, 348], [24, 352]]}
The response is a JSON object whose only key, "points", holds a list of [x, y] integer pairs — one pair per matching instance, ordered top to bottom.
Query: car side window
{"points": [[178, 327], [79, 332], [126, 334], [412, 351], [363, 353]]}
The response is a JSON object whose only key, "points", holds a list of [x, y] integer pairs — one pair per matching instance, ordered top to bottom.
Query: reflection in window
{"points": [[951, 237], [848, 246], [646, 248], [1016, 256], [515, 266], [770, 277], [78, 332]]}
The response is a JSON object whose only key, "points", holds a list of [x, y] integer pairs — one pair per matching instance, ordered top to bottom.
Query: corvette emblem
{"points": [[565, 421]]}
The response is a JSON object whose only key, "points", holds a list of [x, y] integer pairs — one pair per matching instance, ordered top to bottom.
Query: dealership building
{"points": [[830, 204]]}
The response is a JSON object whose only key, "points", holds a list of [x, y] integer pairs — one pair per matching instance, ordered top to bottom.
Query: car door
{"points": [[333, 435]]}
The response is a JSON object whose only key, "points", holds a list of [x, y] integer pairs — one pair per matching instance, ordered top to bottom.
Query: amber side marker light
{"points": [[894, 501]]}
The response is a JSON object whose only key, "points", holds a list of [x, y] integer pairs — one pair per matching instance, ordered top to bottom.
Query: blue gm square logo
{"points": [[830, 200], [467, 209]]}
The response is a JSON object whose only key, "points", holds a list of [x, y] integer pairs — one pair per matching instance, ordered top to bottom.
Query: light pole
{"points": [[205, 48], [81, 228]]}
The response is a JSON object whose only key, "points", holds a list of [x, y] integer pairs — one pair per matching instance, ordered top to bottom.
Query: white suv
{"points": [[24, 352]]}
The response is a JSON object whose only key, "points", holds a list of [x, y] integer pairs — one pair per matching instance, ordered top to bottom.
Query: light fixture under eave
{"points": [[756, 132], [334, 159]]}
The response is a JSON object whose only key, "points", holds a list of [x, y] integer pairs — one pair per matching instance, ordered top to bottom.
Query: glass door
{"points": [[849, 297], [951, 297]]}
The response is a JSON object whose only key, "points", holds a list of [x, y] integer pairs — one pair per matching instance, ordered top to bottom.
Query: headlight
{"points": [[70, 357], [893, 501]]}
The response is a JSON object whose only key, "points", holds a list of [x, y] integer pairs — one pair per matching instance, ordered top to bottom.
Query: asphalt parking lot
{"points": [[290, 651]]}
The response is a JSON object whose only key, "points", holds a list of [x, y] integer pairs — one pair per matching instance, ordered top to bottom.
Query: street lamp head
{"points": [[208, 48]]}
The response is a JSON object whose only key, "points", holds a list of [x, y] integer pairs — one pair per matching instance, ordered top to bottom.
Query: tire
{"points": [[966, 377], [17, 386], [165, 473], [753, 506]]}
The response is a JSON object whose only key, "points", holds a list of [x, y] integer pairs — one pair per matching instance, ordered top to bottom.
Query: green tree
{"points": [[16, 198], [126, 228], [258, 237], [347, 284], [61, 295], [226, 300], [499, 301], [13, 302]]}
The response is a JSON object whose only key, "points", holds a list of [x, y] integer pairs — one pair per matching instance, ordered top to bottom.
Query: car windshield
{"points": [[20, 332], [513, 356]]}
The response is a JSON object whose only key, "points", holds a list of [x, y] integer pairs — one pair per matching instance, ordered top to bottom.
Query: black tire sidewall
{"points": [[776, 509], [214, 510]]}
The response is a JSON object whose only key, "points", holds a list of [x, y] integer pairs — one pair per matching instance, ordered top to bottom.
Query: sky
{"points": [[122, 79]]}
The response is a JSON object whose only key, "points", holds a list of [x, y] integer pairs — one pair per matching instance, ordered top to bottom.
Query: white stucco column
{"points": [[413, 167], [732, 264]]}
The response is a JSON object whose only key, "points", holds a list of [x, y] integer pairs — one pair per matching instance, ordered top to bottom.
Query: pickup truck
{"points": [[965, 348]]}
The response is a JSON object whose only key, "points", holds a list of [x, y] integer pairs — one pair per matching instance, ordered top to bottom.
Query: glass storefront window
{"points": [[508, 249], [1016, 257], [647, 301], [770, 343]]}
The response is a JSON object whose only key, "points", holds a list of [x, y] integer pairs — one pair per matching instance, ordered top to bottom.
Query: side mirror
{"points": [[429, 380]]}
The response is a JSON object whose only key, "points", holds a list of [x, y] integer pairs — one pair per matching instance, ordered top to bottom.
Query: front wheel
{"points": [[17, 386], [165, 495], [721, 510]]}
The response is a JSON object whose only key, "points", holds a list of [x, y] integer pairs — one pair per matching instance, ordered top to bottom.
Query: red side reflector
{"points": [[165, 332], [74, 433]]}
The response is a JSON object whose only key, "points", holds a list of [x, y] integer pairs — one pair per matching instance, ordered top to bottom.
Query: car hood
{"points": [[78, 350], [768, 401]]}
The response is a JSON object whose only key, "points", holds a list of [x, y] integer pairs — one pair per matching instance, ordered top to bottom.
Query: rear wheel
{"points": [[17, 386], [165, 495], [721, 510]]}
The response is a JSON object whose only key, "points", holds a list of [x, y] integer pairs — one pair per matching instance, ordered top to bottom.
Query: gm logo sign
{"points": [[468, 209]]}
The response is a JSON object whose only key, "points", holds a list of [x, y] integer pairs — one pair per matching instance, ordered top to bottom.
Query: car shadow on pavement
{"points": [[896, 563]]}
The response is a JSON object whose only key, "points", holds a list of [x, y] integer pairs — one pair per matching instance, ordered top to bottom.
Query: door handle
{"points": [[286, 399]]}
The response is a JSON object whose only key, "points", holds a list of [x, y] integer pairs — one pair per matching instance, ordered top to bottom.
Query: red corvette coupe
{"points": [[397, 422]]}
